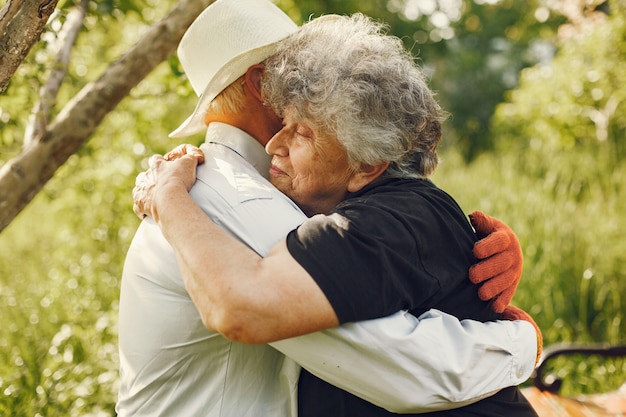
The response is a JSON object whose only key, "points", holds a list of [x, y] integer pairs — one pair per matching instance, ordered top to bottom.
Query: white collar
{"points": [[242, 143]]}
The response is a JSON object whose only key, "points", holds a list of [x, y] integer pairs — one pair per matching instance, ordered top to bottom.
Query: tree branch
{"points": [[21, 24], [39, 117], [23, 176]]}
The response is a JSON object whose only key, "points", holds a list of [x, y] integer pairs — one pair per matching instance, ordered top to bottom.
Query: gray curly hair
{"points": [[359, 84]]}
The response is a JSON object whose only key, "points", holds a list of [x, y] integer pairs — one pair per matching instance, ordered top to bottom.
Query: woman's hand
{"points": [[176, 169]]}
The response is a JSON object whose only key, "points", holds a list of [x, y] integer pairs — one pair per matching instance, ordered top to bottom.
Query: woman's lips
{"points": [[274, 170]]}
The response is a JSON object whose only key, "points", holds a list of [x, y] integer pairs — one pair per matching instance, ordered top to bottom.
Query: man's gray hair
{"points": [[360, 84]]}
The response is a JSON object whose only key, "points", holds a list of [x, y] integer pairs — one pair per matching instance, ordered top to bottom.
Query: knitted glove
{"points": [[500, 256], [514, 313]]}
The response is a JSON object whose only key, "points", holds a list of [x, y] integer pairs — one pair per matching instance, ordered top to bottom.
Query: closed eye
{"points": [[305, 132]]}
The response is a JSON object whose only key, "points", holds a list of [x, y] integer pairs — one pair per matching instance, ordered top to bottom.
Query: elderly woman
{"points": [[359, 138]]}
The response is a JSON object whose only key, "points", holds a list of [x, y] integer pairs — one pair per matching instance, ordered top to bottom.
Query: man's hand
{"points": [[178, 167], [500, 254], [514, 313]]}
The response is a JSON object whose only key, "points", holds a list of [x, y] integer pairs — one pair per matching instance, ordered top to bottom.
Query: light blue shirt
{"points": [[171, 365]]}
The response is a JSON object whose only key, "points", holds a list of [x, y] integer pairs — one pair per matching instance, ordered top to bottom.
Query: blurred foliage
{"points": [[472, 50], [576, 101], [566, 123], [555, 174], [561, 179], [574, 252]]}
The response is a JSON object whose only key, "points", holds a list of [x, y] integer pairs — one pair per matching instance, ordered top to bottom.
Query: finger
{"points": [[185, 149], [195, 152], [175, 153], [154, 160], [182, 164], [140, 179], [143, 183], [138, 190], [142, 193], [137, 201], [137, 205], [139, 212], [482, 223], [495, 243], [490, 268], [493, 287], [503, 301], [498, 306], [513, 313]]}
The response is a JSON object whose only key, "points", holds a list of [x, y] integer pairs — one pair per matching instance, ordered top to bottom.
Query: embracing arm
{"points": [[238, 294], [435, 362], [413, 365]]}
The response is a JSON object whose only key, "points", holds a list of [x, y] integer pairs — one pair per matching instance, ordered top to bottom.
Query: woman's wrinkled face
{"points": [[308, 166]]}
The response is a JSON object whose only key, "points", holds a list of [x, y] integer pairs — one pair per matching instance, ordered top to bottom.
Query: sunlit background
{"points": [[537, 95]]}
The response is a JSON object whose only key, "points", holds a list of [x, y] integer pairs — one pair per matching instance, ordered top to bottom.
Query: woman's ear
{"points": [[253, 80], [366, 175]]}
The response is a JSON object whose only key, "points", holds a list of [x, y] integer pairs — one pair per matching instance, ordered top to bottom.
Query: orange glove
{"points": [[500, 255], [514, 313]]}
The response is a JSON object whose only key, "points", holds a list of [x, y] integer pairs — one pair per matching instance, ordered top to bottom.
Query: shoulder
{"points": [[224, 172], [401, 196], [398, 207]]}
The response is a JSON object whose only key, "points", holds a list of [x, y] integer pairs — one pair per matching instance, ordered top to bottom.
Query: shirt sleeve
{"points": [[413, 365]]}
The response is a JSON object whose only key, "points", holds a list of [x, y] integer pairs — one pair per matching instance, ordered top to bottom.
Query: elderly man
{"points": [[170, 364]]}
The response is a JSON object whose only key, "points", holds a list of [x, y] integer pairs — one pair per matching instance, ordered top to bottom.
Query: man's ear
{"points": [[253, 80], [366, 175]]}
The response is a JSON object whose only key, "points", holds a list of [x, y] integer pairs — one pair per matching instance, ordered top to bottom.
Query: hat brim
{"points": [[225, 76]]}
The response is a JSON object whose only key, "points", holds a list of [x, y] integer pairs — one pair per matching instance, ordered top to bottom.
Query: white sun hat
{"points": [[225, 40]]}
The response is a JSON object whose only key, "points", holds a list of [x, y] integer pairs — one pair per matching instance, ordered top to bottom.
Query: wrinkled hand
{"points": [[185, 149], [178, 166], [500, 254], [514, 313]]}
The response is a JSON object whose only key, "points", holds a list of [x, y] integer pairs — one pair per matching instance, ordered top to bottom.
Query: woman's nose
{"points": [[277, 144]]}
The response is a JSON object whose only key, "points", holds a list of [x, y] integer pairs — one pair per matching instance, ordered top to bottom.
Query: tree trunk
{"points": [[21, 25], [23, 177]]}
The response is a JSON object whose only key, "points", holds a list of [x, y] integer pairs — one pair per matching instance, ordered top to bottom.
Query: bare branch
{"points": [[21, 24], [39, 118], [23, 176]]}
